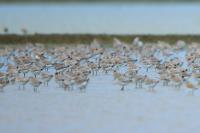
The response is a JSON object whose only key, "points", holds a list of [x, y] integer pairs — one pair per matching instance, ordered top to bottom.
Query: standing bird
{"points": [[46, 77], [197, 77], [121, 79], [22, 81], [177, 81], [81, 82], [3, 83], [35, 83], [151, 83], [66, 84], [191, 86]]}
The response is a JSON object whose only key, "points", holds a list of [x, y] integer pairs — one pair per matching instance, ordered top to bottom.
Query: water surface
{"points": [[107, 18]]}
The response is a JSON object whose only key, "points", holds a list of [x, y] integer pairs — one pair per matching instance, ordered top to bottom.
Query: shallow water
{"points": [[124, 18], [102, 107]]}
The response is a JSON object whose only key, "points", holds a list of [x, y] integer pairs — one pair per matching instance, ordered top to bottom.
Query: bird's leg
{"points": [[147, 69], [106, 71], [96, 72], [165, 83], [136, 84], [140, 84], [179, 85], [23, 87], [19, 88], [65, 88], [84, 88], [35, 89], [81, 89], [122, 89], [151, 89], [193, 92], [190, 93]]}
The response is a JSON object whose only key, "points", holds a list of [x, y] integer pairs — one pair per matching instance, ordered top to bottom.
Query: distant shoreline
{"points": [[88, 38]]}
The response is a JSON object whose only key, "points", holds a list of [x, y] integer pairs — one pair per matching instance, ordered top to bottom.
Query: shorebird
{"points": [[137, 42], [180, 45], [47, 64], [74, 64], [60, 67], [94, 67], [195, 67], [24, 69], [36, 70], [12, 71], [184, 73], [46, 77], [164, 77], [197, 77], [59, 78], [12, 79], [121, 79], [138, 79], [22, 81], [177, 81], [3, 82], [81, 82], [35, 83], [151, 83], [66, 84], [191, 86]]}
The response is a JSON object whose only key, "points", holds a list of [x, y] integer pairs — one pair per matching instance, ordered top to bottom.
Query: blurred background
{"points": [[100, 16]]}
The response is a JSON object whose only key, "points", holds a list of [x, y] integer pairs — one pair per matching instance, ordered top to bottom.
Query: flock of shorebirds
{"points": [[140, 64]]}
